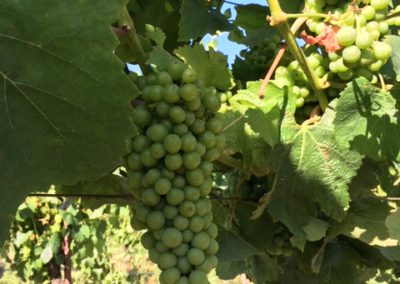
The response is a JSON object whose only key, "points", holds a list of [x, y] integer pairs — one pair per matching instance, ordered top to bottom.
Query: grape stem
{"points": [[308, 15], [279, 19], [126, 23], [295, 27], [382, 81], [230, 161]]}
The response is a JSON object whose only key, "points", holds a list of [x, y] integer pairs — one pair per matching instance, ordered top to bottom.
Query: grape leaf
{"points": [[163, 14], [251, 16], [252, 19], [197, 20], [326, 38], [394, 41], [211, 66], [60, 88], [262, 115], [367, 121], [252, 143], [312, 174], [107, 185], [366, 221], [393, 224], [233, 247], [230, 269], [264, 269]]}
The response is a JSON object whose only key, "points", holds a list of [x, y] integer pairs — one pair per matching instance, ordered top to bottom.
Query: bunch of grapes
{"points": [[361, 26], [256, 59], [293, 77], [169, 172], [254, 189], [281, 245]]}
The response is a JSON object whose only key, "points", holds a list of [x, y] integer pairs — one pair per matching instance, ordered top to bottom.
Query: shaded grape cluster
{"points": [[255, 61], [169, 171], [254, 189], [280, 245]]}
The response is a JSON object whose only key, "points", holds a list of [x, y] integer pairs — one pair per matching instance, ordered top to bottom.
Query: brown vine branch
{"points": [[295, 27], [67, 257]]}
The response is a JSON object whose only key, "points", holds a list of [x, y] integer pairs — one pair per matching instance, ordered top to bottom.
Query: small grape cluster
{"points": [[361, 28], [257, 59], [294, 77], [169, 172], [253, 189], [280, 245]]}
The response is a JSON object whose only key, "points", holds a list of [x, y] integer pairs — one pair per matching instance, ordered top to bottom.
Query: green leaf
{"points": [[163, 14], [251, 16], [197, 20], [156, 34], [394, 41], [160, 57], [211, 66], [60, 88], [262, 115], [367, 121], [240, 136], [312, 174], [105, 187], [366, 221], [393, 224], [259, 232], [233, 247], [46, 255], [230, 269], [264, 269]]}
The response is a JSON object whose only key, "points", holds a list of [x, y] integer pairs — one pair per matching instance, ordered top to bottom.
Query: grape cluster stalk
{"points": [[169, 172]]}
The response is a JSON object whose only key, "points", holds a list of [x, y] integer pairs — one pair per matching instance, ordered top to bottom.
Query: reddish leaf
{"points": [[325, 39]]}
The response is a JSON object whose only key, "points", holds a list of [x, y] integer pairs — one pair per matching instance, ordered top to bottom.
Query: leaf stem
{"points": [[308, 15], [279, 19], [136, 48], [230, 161]]}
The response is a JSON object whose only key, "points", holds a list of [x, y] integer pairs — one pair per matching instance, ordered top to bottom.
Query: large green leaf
{"points": [[197, 20], [64, 99], [367, 121], [312, 174], [109, 189], [366, 221], [393, 224]]}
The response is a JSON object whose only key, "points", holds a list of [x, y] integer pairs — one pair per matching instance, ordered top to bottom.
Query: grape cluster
{"points": [[361, 27], [256, 59], [293, 77], [169, 172], [254, 189], [280, 245]]}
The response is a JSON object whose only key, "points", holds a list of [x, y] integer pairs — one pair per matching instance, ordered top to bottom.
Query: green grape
{"points": [[379, 4], [346, 36], [364, 40], [382, 50], [351, 54], [189, 76], [163, 78], [189, 92], [172, 143], [175, 196], [155, 220], [171, 237], [147, 240], [201, 241], [195, 256], [167, 260], [170, 276], [198, 277]]}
